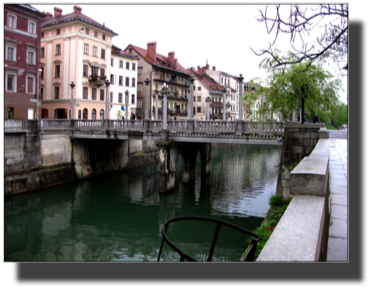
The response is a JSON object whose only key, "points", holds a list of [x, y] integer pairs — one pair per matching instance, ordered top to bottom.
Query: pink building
{"points": [[22, 40]]}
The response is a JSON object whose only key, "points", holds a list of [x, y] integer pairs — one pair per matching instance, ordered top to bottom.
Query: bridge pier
{"points": [[169, 151]]}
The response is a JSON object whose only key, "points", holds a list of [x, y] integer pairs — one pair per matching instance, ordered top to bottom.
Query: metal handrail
{"points": [[248, 257]]}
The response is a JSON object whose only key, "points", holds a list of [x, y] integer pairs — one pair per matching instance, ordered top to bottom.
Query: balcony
{"points": [[96, 81]]}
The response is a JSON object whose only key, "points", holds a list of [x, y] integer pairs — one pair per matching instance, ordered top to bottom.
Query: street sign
{"points": [[33, 100], [39, 103], [77, 104], [122, 108]]}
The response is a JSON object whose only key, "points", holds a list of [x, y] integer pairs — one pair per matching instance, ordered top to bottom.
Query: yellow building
{"points": [[74, 48]]}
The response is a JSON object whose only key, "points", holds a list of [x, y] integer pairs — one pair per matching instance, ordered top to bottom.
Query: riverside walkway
{"points": [[337, 247]]}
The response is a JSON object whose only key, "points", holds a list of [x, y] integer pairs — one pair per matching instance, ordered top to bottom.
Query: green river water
{"points": [[119, 217]]}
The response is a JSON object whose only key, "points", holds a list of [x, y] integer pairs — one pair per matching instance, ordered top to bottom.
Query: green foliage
{"points": [[290, 86], [339, 115], [278, 205]]}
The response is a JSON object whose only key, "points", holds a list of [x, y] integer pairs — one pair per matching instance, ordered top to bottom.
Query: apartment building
{"points": [[22, 39], [74, 49], [160, 69], [123, 81]]}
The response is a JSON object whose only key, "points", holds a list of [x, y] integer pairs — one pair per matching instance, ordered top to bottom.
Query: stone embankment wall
{"points": [[35, 161], [302, 233]]}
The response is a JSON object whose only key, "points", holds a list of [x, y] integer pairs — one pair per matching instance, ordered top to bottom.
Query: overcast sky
{"points": [[219, 34]]}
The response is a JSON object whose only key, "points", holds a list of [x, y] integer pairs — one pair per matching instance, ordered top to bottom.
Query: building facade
{"points": [[22, 41], [74, 49], [124, 69], [156, 69]]}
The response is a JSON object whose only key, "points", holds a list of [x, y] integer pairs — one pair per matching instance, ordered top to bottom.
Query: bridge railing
{"points": [[172, 125]]}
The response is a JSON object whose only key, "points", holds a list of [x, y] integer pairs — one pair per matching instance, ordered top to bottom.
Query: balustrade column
{"points": [[107, 98], [147, 98], [191, 102], [224, 104], [156, 109], [127, 117]]}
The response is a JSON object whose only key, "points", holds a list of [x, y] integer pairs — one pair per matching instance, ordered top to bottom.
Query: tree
{"points": [[332, 43], [295, 87]]}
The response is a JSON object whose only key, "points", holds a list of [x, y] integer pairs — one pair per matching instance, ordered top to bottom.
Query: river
{"points": [[119, 217]]}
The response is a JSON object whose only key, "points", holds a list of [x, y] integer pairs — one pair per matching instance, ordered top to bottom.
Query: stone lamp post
{"points": [[107, 83], [72, 85], [165, 91], [240, 96], [147, 98], [208, 100], [191, 102], [126, 104], [156, 106]]}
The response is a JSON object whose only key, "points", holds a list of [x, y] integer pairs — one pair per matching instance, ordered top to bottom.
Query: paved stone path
{"points": [[338, 236]]}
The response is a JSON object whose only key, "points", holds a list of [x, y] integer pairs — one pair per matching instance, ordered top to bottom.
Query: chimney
{"points": [[77, 9], [57, 12], [47, 15], [152, 50], [171, 57], [175, 63], [207, 66], [213, 68], [199, 70]]}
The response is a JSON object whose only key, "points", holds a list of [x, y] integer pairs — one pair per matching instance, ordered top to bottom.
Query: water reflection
{"points": [[119, 217]]}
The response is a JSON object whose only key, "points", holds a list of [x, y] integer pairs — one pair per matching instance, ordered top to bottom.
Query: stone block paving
{"points": [[337, 246]]}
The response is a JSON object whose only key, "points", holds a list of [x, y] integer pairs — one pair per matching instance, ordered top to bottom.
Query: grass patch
{"points": [[331, 127], [278, 206]]}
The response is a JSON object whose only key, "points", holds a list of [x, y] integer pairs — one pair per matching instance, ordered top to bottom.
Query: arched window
{"points": [[44, 114], [85, 114], [93, 114], [101, 114]]}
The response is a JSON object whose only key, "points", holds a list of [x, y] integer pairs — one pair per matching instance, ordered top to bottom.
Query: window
{"points": [[12, 21], [32, 27], [58, 31], [87, 31], [42, 34], [96, 34], [104, 37], [58, 49], [86, 49], [11, 51], [95, 51], [42, 52], [103, 55], [31, 59], [111, 61], [120, 63], [127, 65], [134, 66], [85, 70], [57, 71], [95, 71], [139, 71], [42, 72], [102, 72], [156, 72], [112, 79], [30, 80], [121, 80], [11, 81], [127, 81], [133, 82], [156, 86], [139, 87], [56, 93], [85, 93], [93, 94], [102, 94], [111, 97], [120, 97], [193, 98], [199, 98], [139, 103], [198, 109], [10, 113], [84, 113], [79, 114], [93, 114], [102, 114]]}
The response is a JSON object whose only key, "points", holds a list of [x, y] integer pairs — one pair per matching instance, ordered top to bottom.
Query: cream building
{"points": [[74, 48]]}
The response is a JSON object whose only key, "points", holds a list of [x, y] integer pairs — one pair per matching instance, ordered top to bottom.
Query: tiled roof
{"points": [[27, 8], [75, 16], [119, 52], [161, 60], [207, 81]]}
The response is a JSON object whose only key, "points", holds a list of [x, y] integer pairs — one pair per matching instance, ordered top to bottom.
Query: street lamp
{"points": [[107, 83], [72, 85], [38, 88], [165, 91], [240, 96], [208, 100], [126, 104], [156, 108]]}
